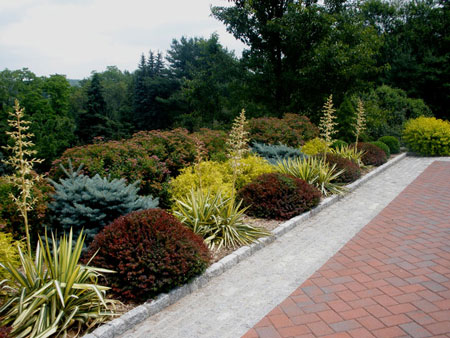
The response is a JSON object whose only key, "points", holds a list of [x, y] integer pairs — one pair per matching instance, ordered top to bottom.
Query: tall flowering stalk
{"points": [[327, 123], [360, 123], [237, 145], [200, 155], [22, 160]]}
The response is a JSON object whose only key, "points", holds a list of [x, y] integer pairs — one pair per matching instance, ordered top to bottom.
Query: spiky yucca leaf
{"points": [[351, 153], [314, 171], [218, 219], [54, 292]]}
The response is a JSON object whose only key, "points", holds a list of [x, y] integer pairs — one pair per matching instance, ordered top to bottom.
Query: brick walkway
{"points": [[391, 280]]}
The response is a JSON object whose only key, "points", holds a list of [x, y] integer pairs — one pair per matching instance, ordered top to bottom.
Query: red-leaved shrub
{"points": [[292, 130], [215, 142], [373, 155], [351, 170], [278, 196], [151, 252], [5, 331]]}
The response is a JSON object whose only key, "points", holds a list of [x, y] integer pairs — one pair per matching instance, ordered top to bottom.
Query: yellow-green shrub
{"points": [[428, 136], [314, 147], [215, 176], [8, 252]]}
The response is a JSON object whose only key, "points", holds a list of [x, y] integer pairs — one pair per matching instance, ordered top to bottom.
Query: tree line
{"points": [[297, 53]]}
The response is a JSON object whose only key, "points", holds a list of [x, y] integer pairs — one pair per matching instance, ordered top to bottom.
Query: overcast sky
{"points": [[75, 37]]}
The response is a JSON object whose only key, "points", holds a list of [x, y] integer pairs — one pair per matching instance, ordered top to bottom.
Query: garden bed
{"points": [[224, 259]]}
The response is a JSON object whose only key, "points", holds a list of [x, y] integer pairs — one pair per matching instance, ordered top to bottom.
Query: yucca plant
{"points": [[360, 122], [349, 152], [314, 171], [218, 219], [54, 292]]}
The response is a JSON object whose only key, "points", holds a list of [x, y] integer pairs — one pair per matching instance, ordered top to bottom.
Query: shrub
{"points": [[292, 130], [428, 136], [215, 142], [392, 142], [338, 144], [383, 146], [314, 147], [275, 153], [350, 153], [373, 155], [314, 171], [351, 171], [214, 176], [278, 196], [91, 203], [11, 219], [217, 219], [151, 251], [8, 252], [52, 293], [5, 331]]}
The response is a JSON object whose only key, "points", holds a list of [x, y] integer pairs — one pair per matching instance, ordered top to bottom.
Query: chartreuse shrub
{"points": [[292, 130], [428, 136], [392, 142], [382, 146], [314, 147], [275, 153], [372, 155], [350, 170], [314, 171], [214, 176], [278, 196], [89, 203], [217, 219], [9, 252], [151, 252], [53, 292]]}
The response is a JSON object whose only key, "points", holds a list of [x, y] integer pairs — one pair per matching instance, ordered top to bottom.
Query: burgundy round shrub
{"points": [[373, 155], [351, 170], [278, 196], [151, 252], [5, 331]]}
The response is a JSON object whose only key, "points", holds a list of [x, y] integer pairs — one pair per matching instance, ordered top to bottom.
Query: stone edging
{"points": [[128, 320]]}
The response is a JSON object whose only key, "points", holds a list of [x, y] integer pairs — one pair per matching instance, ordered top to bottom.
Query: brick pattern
{"points": [[391, 280]]}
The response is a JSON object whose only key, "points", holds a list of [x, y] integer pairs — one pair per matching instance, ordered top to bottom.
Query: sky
{"points": [[76, 37]]}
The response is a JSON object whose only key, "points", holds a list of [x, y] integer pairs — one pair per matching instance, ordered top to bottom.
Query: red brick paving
{"points": [[391, 280]]}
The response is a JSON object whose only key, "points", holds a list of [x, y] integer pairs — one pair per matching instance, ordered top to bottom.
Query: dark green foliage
{"points": [[387, 109], [346, 120], [292, 130], [392, 142], [338, 144], [383, 146], [275, 153], [373, 155], [351, 170], [278, 196], [81, 202], [151, 252]]}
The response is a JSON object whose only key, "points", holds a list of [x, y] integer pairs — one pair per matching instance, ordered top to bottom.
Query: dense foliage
{"points": [[291, 130], [428, 136], [392, 142], [383, 146], [314, 147], [275, 153], [372, 155], [351, 170], [278, 196], [81, 202], [8, 252], [151, 252]]}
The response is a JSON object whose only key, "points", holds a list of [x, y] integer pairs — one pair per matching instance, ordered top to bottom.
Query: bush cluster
{"points": [[292, 130], [428, 136], [215, 142], [392, 142], [382, 146], [314, 147], [275, 153], [373, 155], [351, 171], [278, 196], [81, 202], [10, 218], [8, 252], [151, 252]]}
